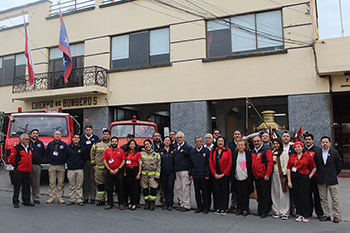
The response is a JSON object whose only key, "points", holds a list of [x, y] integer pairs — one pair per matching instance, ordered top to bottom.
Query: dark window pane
{"points": [[220, 43], [139, 49], [162, 58], [120, 63], [58, 65], [9, 69], [20, 70], [0, 75]]}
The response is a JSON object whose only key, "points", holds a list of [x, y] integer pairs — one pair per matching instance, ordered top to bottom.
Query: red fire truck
{"points": [[47, 123], [142, 130]]}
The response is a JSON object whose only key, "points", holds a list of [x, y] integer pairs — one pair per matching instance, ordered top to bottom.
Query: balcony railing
{"points": [[70, 6], [87, 76]]}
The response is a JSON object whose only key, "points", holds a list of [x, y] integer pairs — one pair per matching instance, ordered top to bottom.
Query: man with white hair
{"points": [[208, 139], [21, 159], [183, 182]]}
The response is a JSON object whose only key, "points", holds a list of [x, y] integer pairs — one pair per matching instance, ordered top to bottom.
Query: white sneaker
{"points": [[217, 212], [275, 216], [284, 217], [299, 219], [306, 219]]}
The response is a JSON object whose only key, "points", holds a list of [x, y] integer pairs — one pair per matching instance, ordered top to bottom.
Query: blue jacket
{"points": [[88, 144], [60, 148], [38, 150], [75, 156], [182, 157], [167, 160], [199, 163]]}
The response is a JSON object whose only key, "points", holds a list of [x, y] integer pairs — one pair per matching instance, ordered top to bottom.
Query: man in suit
{"points": [[287, 147], [328, 165]]}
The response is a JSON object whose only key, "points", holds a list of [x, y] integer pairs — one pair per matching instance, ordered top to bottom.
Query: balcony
{"points": [[87, 80]]}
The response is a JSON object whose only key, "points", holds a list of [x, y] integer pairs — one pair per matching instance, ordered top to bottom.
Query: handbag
{"points": [[283, 180]]}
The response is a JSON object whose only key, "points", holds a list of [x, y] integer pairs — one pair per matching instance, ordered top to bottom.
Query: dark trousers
{"points": [[21, 179], [114, 181], [168, 181], [132, 184], [210, 186], [263, 189], [201, 192], [301, 192], [221, 193], [242, 194], [314, 199]]}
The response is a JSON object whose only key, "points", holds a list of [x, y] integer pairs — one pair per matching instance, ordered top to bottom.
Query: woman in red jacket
{"points": [[220, 164]]}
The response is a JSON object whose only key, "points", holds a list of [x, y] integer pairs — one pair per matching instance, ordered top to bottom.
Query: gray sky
{"points": [[328, 15]]}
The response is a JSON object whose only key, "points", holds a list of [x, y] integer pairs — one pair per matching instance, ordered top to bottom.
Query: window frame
{"points": [[243, 54], [150, 64], [15, 66]]}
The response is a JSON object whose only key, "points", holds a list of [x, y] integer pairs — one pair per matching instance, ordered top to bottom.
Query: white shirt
{"points": [[88, 137], [179, 146], [25, 147], [210, 147], [286, 147], [199, 149], [256, 150], [325, 156]]}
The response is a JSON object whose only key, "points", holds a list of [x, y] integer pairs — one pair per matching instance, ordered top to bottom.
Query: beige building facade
{"points": [[190, 67]]}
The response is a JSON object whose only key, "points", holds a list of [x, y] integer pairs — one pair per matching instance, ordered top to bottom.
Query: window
{"points": [[245, 34], [140, 48], [56, 56], [12, 66]]}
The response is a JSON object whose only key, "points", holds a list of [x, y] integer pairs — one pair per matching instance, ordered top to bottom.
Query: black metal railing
{"points": [[70, 6], [87, 76]]}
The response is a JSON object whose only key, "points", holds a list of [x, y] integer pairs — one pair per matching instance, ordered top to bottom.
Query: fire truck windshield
{"points": [[46, 125], [140, 131]]}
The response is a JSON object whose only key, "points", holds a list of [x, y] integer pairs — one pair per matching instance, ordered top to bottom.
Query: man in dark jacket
{"points": [[38, 150], [56, 152], [21, 159], [182, 166], [329, 166], [200, 173], [75, 174], [89, 186], [314, 199]]}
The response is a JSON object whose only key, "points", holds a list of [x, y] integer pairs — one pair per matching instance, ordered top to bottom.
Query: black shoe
{"points": [[36, 201], [86, 201], [91, 202], [70, 203], [100, 203], [29, 204], [16, 206], [178, 208], [183, 209], [198, 211], [205, 211], [239, 212], [245, 213], [257, 214], [263, 216]]}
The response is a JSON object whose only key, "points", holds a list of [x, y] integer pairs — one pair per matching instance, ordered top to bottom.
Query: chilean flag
{"points": [[64, 47], [28, 54]]}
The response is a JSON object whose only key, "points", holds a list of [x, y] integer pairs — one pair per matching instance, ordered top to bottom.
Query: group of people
{"points": [[289, 179]]}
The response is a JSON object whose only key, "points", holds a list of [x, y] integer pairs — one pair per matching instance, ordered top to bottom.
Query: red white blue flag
{"points": [[64, 47], [28, 54]]}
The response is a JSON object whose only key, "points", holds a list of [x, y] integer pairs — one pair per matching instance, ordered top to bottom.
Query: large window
{"points": [[254, 32], [140, 48], [56, 56], [12, 66]]}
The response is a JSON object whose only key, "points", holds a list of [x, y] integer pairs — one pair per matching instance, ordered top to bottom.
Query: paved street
{"points": [[90, 218]]}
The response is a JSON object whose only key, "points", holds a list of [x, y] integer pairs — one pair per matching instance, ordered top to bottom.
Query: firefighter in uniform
{"points": [[96, 154], [150, 174]]}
